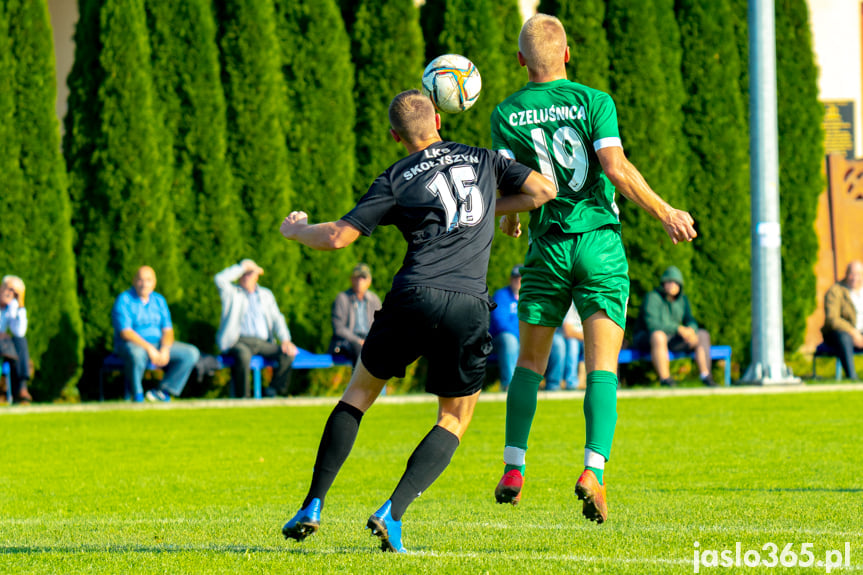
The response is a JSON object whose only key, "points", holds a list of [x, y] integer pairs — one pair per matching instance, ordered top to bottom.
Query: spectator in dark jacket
{"points": [[353, 314], [667, 324]]}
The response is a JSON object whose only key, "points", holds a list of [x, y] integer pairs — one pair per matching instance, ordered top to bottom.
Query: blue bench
{"points": [[824, 350], [722, 352], [304, 360], [6, 370]]}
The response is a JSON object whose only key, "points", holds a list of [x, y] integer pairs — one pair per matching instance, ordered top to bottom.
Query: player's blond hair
{"points": [[542, 42], [412, 116]]}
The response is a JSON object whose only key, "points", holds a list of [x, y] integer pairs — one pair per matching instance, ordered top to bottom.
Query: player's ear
{"points": [[566, 55], [521, 61], [437, 121], [395, 135]]}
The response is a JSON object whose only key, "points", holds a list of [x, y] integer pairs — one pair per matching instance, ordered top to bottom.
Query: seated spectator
{"points": [[353, 314], [843, 317], [252, 324], [667, 325], [143, 333], [504, 333], [573, 334], [13, 340]]}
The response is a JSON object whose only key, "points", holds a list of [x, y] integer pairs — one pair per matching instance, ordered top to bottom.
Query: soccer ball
{"points": [[452, 82]]}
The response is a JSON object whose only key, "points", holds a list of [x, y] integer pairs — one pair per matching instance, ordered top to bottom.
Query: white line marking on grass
{"points": [[420, 398]]}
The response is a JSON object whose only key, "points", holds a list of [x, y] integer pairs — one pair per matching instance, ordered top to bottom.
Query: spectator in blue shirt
{"points": [[504, 333], [143, 334]]}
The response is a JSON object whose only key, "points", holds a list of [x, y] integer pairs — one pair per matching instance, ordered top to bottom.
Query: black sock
{"points": [[336, 444], [426, 464]]}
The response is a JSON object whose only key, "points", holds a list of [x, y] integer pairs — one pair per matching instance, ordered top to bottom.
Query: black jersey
{"points": [[442, 200]]}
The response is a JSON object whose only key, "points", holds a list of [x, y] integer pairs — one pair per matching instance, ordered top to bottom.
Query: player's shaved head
{"points": [[542, 43], [412, 116]]}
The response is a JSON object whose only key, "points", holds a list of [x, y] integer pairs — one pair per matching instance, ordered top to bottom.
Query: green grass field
{"points": [[206, 490]]}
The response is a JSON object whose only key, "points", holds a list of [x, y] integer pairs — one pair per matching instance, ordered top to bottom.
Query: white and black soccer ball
{"points": [[452, 82]]}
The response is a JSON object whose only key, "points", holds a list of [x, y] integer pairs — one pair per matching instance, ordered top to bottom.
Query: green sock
{"points": [[521, 406], [600, 413], [507, 468], [597, 472]]}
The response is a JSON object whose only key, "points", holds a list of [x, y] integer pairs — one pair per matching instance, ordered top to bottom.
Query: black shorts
{"points": [[449, 329]]}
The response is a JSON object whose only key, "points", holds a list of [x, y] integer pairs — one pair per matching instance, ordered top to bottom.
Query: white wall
{"points": [[64, 15], [836, 38]]}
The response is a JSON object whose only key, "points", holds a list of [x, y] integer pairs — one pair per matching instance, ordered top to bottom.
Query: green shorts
{"points": [[589, 269]]}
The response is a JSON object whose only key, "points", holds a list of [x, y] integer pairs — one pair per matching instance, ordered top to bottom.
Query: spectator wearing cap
{"points": [[353, 313], [667, 324], [251, 325], [505, 338]]}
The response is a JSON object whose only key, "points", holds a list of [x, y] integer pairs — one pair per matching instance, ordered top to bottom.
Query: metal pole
{"points": [[768, 341]]}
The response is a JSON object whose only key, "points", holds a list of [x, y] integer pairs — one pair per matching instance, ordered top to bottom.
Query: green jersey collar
{"points": [[546, 85]]}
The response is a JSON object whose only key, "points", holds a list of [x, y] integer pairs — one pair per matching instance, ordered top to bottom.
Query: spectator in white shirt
{"points": [[13, 336]]}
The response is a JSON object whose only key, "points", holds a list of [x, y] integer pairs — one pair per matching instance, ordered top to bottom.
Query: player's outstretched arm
{"points": [[629, 181], [535, 191], [326, 236]]}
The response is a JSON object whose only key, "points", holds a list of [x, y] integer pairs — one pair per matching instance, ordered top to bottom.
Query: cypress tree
{"points": [[509, 20], [472, 29], [585, 34], [185, 61], [386, 64], [319, 79], [255, 96], [649, 128], [716, 133], [801, 158], [118, 168], [13, 196], [43, 255]]}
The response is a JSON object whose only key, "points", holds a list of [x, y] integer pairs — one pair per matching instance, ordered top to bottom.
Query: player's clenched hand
{"points": [[292, 223], [510, 225], [679, 226]]}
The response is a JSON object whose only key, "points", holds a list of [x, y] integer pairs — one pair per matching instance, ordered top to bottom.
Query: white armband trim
{"points": [[607, 143], [506, 153]]}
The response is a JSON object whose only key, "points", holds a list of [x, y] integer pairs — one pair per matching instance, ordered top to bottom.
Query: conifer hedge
{"points": [[584, 21], [464, 29], [385, 65], [186, 75], [256, 107], [650, 126], [195, 128], [319, 131], [717, 136], [801, 157], [118, 166], [38, 208]]}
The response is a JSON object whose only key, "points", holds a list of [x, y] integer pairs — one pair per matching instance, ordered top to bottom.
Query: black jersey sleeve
{"points": [[510, 174], [373, 207]]}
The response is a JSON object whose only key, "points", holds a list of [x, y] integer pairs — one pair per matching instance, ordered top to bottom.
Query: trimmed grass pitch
{"points": [[206, 490]]}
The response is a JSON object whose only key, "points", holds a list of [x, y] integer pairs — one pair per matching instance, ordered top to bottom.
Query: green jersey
{"points": [[556, 128]]}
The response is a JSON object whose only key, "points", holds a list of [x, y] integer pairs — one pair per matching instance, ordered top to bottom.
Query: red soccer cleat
{"points": [[508, 489], [592, 493]]}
